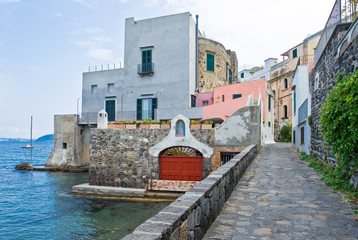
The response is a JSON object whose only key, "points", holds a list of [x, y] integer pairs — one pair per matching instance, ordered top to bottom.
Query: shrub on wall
{"points": [[339, 122], [285, 133]]}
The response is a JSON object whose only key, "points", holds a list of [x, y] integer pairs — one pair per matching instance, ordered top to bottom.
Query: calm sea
{"points": [[37, 205]]}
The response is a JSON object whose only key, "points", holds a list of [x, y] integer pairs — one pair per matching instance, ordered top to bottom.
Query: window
{"points": [[294, 53], [147, 61], [210, 62], [227, 71], [242, 75], [230, 76], [285, 83], [110, 87], [94, 89], [234, 96], [223, 98], [193, 101], [294, 102], [205, 103], [269, 103], [146, 108], [284, 111], [269, 124], [302, 135], [294, 137], [64, 145]]}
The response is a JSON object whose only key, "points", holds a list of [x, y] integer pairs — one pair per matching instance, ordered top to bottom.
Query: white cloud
{"points": [[8, 1], [84, 3], [58, 14], [86, 31], [100, 54]]}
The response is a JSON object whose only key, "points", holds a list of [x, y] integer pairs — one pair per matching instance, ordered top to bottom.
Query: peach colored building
{"points": [[229, 98]]}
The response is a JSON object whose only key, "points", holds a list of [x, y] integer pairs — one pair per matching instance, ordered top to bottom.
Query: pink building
{"points": [[204, 99], [227, 99]]}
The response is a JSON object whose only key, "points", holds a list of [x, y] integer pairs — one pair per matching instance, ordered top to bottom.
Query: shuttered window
{"points": [[210, 62], [146, 108]]}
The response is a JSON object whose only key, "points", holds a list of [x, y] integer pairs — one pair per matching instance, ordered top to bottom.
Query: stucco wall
{"points": [[172, 41], [242, 128], [71, 143]]}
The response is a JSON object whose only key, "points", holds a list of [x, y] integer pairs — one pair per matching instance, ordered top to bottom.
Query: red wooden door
{"points": [[181, 168]]}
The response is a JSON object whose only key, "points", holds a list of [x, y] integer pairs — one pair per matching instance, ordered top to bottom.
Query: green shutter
{"points": [[294, 53], [210, 62], [294, 102], [154, 106], [139, 109]]}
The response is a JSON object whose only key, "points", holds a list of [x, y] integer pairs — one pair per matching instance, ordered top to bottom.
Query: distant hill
{"points": [[48, 137]]}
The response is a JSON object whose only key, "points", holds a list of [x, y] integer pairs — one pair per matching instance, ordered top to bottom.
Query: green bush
{"points": [[339, 122], [285, 134]]}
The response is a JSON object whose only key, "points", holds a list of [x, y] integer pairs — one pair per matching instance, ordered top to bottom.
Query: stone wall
{"points": [[322, 79], [207, 80], [120, 157], [191, 215]]}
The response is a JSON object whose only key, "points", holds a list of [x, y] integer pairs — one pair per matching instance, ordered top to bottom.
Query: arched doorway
{"points": [[180, 163]]}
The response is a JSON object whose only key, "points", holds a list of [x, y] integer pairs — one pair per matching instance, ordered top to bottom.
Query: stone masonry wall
{"points": [[207, 79], [323, 79], [120, 157], [191, 215]]}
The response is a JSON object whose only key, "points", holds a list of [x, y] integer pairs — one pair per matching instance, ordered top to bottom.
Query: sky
{"points": [[46, 45]]}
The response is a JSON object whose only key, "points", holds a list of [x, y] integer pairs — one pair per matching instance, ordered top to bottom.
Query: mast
{"points": [[31, 143]]}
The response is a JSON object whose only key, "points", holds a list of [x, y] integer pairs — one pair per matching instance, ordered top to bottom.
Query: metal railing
{"points": [[343, 11], [280, 64], [147, 68], [91, 117]]}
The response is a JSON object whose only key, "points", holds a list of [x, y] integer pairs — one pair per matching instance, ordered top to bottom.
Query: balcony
{"points": [[146, 69]]}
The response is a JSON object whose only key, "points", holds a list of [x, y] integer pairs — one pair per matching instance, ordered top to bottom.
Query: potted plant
{"points": [[145, 123], [117, 124], [194, 124], [132, 125], [154, 125], [165, 125], [207, 125]]}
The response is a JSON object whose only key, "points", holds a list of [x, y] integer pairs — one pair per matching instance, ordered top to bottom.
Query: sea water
{"points": [[38, 205]]}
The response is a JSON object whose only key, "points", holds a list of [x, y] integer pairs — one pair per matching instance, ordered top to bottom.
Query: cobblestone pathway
{"points": [[279, 197]]}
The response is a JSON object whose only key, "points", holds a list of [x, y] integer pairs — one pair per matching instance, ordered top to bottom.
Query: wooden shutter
{"points": [[154, 106], [139, 109]]}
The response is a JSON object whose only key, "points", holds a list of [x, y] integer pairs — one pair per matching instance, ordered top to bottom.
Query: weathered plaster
{"points": [[188, 140]]}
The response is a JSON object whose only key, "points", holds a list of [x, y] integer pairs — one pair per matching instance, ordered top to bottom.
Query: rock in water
{"points": [[23, 166]]}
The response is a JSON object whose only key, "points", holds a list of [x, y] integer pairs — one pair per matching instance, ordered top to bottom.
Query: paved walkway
{"points": [[279, 197]]}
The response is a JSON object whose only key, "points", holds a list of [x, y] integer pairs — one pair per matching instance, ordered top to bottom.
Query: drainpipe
{"points": [[196, 53]]}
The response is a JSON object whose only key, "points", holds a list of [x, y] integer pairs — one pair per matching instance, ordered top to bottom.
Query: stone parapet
{"points": [[191, 215]]}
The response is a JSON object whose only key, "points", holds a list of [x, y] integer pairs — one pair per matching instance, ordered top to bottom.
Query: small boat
{"points": [[27, 146]]}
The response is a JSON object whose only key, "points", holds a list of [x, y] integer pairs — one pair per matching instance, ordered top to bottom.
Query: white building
{"points": [[256, 73], [158, 77], [301, 109]]}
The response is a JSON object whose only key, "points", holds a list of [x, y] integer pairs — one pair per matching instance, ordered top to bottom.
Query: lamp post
{"points": [[122, 97]]}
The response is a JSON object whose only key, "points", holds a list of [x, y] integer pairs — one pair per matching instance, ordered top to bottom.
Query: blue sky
{"points": [[45, 45]]}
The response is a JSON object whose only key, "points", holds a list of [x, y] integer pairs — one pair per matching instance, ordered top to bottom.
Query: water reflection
{"points": [[33, 205]]}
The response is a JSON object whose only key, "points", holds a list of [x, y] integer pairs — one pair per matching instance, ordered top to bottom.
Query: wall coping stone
{"points": [[198, 207]]}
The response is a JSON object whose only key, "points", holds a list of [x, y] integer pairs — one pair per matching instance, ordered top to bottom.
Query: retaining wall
{"points": [[334, 59], [120, 157], [191, 215]]}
